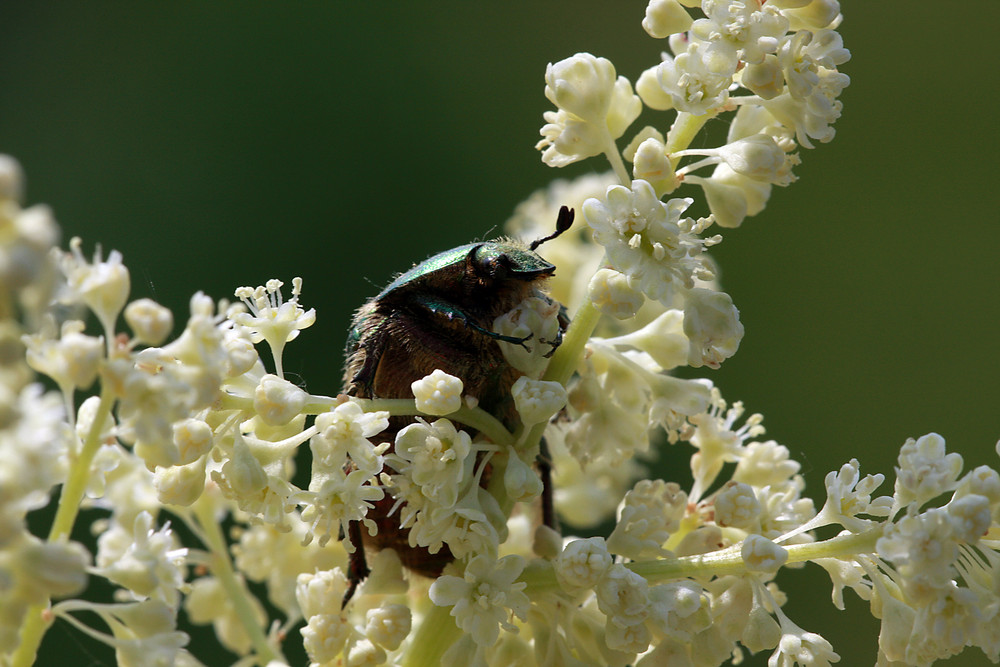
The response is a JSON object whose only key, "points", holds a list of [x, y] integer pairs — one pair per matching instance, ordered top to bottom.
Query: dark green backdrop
{"points": [[218, 144]]}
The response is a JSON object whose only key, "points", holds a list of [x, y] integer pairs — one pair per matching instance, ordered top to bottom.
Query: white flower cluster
{"points": [[195, 427]]}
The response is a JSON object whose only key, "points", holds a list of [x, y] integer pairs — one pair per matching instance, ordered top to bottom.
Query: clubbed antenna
{"points": [[563, 222]]}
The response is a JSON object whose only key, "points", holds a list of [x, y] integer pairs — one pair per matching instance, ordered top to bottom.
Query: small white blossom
{"points": [[664, 18], [744, 30], [698, 79], [594, 108], [646, 239], [103, 286], [611, 293], [272, 319], [150, 322], [712, 326], [72, 361], [438, 394], [277, 400], [537, 401], [344, 432], [434, 457], [925, 471], [848, 495], [336, 498], [736, 505], [649, 513], [762, 555], [582, 563], [150, 566], [623, 596], [483, 599], [388, 625], [799, 647]]}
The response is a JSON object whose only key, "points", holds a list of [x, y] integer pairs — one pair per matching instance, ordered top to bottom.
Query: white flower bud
{"points": [[664, 18], [765, 78], [581, 85], [651, 92], [757, 157], [651, 163], [727, 202], [103, 285], [613, 295], [150, 322], [712, 325], [241, 354], [72, 361], [438, 394], [277, 400], [537, 401], [85, 419], [193, 439], [243, 472], [520, 481], [181, 484], [736, 506], [970, 516], [762, 555], [582, 563], [50, 569], [320, 591], [623, 596], [388, 625], [762, 632], [324, 637]]}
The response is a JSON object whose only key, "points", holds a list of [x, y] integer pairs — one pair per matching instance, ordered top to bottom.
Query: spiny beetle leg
{"points": [[549, 517], [357, 565]]}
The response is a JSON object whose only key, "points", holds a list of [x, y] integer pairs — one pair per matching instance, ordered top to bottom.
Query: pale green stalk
{"points": [[236, 591], [35, 622]]}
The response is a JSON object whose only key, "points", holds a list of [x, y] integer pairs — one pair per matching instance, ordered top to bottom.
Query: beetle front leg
{"points": [[544, 462], [357, 564]]}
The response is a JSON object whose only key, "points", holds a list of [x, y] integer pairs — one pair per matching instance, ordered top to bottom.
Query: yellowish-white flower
{"points": [[664, 18], [646, 239], [101, 285], [612, 294], [271, 318], [150, 322], [712, 326], [438, 394], [278, 401], [537, 401], [484, 598]]}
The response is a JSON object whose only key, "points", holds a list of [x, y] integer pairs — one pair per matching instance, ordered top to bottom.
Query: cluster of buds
{"points": [[196, 430]]}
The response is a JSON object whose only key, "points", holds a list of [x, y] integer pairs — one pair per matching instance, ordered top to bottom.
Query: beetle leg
{"points": [[453, 312], [544, 461], [357, 564]]}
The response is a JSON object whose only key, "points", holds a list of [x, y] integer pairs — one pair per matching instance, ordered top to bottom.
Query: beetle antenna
{"points": [[563, 222]]}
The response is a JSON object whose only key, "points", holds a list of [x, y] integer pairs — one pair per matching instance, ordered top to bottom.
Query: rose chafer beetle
{"points": [[439, 315]]}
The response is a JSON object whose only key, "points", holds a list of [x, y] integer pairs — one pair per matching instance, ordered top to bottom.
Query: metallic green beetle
{"points": [[439, 315]]}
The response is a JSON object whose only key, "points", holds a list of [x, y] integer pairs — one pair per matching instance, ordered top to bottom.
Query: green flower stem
{"points": [[684, 130], [615, 158], [727, 561], [222, 568], [35, 621], [437, 632]]}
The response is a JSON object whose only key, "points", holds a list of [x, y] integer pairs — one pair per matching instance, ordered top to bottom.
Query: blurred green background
{"points": [[218, 144]]}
